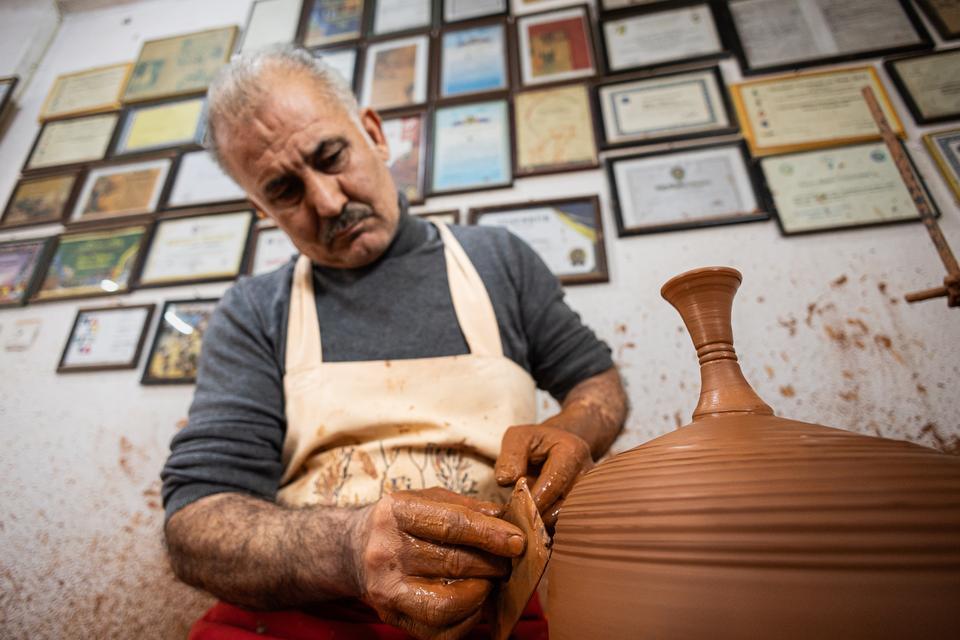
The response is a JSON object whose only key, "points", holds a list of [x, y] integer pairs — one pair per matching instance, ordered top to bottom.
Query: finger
{"points": [[514, 451], [559, 472], [439, 494], [551, 515], [454, 524], [426, 559], [440, 603], [423, 632]]}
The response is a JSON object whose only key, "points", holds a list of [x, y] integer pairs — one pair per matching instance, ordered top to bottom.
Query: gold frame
{"points": [[113, 106], [945, 171]]}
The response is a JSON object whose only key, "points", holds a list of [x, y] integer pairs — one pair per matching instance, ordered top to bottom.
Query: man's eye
{"points": [[330, 161], [286, 192]]}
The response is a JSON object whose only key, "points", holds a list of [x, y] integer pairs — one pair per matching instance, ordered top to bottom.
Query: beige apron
{"points": [[359, 430]]}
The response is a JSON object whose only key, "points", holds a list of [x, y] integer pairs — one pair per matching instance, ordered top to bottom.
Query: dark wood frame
{"points": [[565, 4], [307, 8], [606, 14], [371, 15], [935, 18], [445, 22], [719, 22], [242, 37], [359, 49], [509, 55], [599, 63], [891, 67], [747, 70], [429, 83], [7, 99], [725, 101], [115, 105], [127, 112], [426, 130], [431, 165], [58, 168], [560, 168], [753, 174], [950, 175], [68, 204], [772, 204], [165, 206], [199, 212], [444, 212], [255, 234], [39, 267], [134, 270], [601, 274], [132, 364], [146, 378]]}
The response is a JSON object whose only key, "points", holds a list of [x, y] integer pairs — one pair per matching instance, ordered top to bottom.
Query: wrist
{"points": [[356, 536]]}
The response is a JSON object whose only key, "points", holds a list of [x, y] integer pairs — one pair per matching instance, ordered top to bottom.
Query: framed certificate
{"points": [[613, 5], [522, 7], [459, 10], [398, 16], [945, 16], [271, 22], [327, 22], [778, 35], [653, 36], [555, 46], [473, 60], [343, 61], [180, 65], [395, 74], [929, 84], [7, 85], [86, 92], [663, 108], [792, 113], [160, 126], [554, 130], [407, 137], [73, 141], [944, 146], [470, 148], [198, 180], [838, 188], [684, 189], [121, 190], [40, 200], [451, 216], [567, 234], [198, 248], [270, 249], [96, 263], [21, 264], [106, 338], [175, 352]]}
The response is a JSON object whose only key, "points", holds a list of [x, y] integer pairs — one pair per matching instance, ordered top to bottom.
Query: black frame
{"points": [[307, 8], [371, 15], [445, 21], [942, 27], [592, 36], [239, 41], [359, 49], [369, 50], [509, 54], [746, 69], [7, 98], [129, 110], [915, 110], [426, 117], [57, 168], [560, 168], [751, 168], [165, 205], [67, 207], [444, 212], [126, 218], [255, 233], [39, 270], [132, 364], [146, 378]]}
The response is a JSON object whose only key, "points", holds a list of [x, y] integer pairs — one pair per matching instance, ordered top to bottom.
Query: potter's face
{"points": [[311, 167]]}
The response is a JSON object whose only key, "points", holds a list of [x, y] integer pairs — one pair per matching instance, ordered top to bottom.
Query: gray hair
{"points": [[237, 87]]}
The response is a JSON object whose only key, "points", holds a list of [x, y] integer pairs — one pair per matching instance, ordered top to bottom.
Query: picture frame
{"points": [[607, 6], [526, 7], [461, 10], [944, 15], [395, 17], [270, 22], [328, 22], [768, 28], [652, 36], [555, 46], [473, 59], [345, 60], [163, 71], [396, 73], [928, 82], [7, 85], [86, 92], [664, 108], [810, 110], [157, 126], [483, 128], [554, 130], [407, 134], [71, 142], [944, 147], [197, 180], [856, 186], [687, 188], [118, 190], [44, 199], [447, 217], [567, 234], [202, 246], [270, 249], [92, 264], [21, 266], [106, 339], [175, 351]]}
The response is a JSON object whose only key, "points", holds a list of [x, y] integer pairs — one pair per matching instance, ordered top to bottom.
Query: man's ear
{"points": [[370, 120]]}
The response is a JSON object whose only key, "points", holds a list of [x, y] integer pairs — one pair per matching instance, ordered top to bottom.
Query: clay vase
{"points": [[744, 525]]}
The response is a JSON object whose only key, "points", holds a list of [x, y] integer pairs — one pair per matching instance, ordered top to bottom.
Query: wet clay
{"points": [[746, 525]]}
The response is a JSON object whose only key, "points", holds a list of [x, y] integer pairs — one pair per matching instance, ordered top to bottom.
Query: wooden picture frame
{"points": [[519, 7], [606, 8], [468, 10], [947, 25], [374, 31], [309, 33], [253, 37], [562, 38], [334, 55], [384, 57], [475, 77], [7, 86], [101, 87], [929, 92], [153, 127], [554, 130], [71, 143], [944, 147], [409, 158], [197, 181], [128, 190], [43, 199], [447, 216], [580, 231], [268, 243], [34, 254], [92, 322], [175, 351]]}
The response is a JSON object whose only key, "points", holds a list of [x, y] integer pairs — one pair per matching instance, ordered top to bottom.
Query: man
{"points": [[360, 466]]}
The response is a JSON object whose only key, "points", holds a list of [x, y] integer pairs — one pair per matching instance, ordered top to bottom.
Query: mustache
{"points": [[352, 213]]}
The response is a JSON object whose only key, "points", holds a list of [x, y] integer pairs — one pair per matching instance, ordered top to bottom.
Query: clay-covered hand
{"points": [[560, 455], [426, 560]]}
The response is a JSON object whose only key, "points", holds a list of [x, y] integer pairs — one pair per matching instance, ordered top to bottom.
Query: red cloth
{"points": [[335, 621]]}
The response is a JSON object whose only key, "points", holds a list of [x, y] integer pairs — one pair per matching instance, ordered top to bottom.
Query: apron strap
{"points": [[478, 322], [303, 326]]}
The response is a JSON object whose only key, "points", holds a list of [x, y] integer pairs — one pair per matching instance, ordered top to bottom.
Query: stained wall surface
{"points": [[820, 323]]}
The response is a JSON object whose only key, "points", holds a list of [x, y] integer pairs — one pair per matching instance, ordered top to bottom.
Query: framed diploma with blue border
{"points": [[326, 22], [474, 59], [929, 84], [665, 107], [944, 146], [471, 148], [685, 188]]}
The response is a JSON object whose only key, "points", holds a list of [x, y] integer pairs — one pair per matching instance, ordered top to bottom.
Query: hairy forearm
{"points": [[595, 410], [255, 553]]}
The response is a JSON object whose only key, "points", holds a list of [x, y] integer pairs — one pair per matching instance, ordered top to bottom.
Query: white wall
{"points": [[80, 552]]}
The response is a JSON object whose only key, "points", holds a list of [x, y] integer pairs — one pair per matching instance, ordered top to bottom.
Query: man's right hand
{"points": [[426, 560]]}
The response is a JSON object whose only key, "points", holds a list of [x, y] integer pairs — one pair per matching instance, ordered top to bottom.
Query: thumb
{"points": [[512, 461]]}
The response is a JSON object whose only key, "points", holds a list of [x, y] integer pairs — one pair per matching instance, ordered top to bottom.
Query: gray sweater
{"points": [[397, 308]]}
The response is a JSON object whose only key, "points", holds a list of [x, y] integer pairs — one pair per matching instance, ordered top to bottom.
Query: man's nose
{"points": [[324, 195]]}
